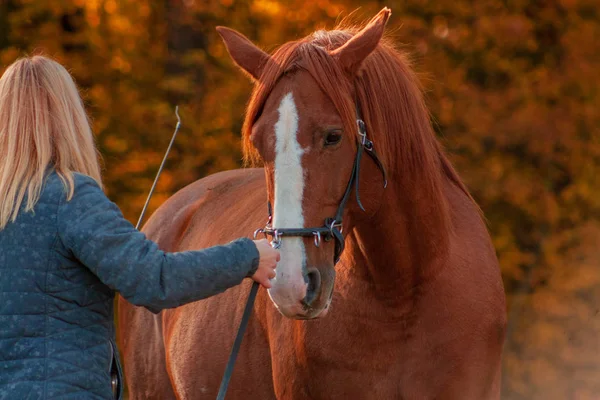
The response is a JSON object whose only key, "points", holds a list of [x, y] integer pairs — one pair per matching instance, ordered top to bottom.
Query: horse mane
{"points": [[393, 108]]}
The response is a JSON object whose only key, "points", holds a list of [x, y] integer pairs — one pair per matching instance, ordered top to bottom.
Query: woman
{"points": [[65, 249]]}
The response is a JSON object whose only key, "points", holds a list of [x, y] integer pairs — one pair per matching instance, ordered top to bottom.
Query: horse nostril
{"points": [[314, 285]]}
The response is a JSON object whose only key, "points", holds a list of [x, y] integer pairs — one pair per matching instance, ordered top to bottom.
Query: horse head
{"points": [[301, 124]]}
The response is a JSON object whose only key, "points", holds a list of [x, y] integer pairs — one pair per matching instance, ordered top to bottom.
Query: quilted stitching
{"points": [[59, 269]]}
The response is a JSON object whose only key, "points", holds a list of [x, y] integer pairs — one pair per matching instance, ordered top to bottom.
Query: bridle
{"points": [[333, 227]]}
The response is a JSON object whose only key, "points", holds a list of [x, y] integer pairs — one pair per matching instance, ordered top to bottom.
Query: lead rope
{"points": [[237, 342]]}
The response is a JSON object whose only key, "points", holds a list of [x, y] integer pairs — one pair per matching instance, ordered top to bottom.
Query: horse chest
{"points": [[339, 357], [340, 377]]}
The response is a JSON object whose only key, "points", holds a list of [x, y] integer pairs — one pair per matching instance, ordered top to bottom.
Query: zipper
{"points": [[115, 372]]}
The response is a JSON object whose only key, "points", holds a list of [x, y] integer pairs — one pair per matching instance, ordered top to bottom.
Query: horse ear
{"points": [[355, 50], [244, 53]]}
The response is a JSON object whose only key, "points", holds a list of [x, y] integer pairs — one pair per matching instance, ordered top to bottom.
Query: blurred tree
{"points": [[512, 85]]}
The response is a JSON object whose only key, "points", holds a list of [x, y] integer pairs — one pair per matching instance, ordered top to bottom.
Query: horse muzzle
{"points": [[306, 297]]}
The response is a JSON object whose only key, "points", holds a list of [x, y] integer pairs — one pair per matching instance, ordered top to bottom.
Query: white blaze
{"points": [[289, 286]]}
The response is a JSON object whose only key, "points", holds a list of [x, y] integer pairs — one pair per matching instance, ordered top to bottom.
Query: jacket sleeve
{"points": [[95, 231]]}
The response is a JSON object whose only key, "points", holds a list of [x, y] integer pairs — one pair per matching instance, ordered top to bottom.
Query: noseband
{"points": [[333, 226]]}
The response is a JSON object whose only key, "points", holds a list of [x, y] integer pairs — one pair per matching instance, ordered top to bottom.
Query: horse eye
{"points": [[333, 138]]}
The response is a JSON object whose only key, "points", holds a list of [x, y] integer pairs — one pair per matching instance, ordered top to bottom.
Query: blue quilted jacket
{"points": [[59, 269]]}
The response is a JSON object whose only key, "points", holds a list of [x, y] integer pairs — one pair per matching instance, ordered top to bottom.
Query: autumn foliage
{"points": [[514, 91]]}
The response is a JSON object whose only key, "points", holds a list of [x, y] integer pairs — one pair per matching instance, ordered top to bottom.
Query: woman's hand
{"points": [[268, 261]]}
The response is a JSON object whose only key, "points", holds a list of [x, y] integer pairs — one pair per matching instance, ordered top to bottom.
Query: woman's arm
{"points": [[94, 229]]}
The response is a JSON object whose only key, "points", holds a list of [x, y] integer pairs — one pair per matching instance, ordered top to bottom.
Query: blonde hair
{"points": [[43, 124]]}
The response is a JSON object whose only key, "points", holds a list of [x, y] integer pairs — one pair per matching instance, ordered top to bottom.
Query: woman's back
{"points": [[61, 264], [51, 308]]}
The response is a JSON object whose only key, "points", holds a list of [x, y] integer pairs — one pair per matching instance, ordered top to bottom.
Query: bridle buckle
{"points": [[362, 131], [258, 232], [317, 236], [276, 242]]}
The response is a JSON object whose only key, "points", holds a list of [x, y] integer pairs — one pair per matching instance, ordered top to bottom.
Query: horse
{"points": [[388, 285]]}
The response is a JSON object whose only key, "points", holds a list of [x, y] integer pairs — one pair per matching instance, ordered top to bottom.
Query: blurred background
{"points": [[513, 87]]}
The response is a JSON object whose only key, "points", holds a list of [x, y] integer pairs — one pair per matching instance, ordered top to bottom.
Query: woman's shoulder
{"points": [[83, 185], [87, 199]]}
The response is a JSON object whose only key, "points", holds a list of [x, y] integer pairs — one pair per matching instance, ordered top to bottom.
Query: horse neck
{"points": [[396, 249]]}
